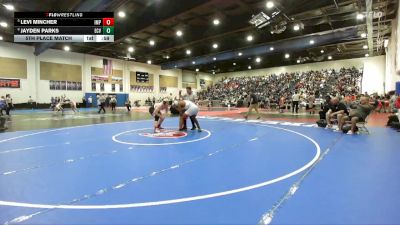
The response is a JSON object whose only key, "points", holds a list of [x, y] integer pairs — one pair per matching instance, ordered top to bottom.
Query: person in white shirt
{"points": [[191, 97], [90, 100], [101, 102], [295, 102], [187, 109]]}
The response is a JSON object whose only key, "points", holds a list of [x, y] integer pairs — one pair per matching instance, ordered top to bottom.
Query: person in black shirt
{"points": [[128, 104], [253, 105], [324, 107], [336, 109], [358, 114]]}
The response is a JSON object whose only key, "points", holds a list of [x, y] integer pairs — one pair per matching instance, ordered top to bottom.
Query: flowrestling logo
{"points": [[165, 134]]}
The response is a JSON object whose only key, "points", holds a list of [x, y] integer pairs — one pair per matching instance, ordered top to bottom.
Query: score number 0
{"points": [[108, 22], [108, 26]]}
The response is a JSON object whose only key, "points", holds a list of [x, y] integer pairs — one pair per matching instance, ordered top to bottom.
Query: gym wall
{"points": [[373, 77], [35, 81]]}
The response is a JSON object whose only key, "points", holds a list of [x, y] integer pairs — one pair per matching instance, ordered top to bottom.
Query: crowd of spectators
{"points": [[270, 89]]}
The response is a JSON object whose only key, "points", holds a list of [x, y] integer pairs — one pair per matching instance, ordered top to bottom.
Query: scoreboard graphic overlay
{"points": [[63, 27]]}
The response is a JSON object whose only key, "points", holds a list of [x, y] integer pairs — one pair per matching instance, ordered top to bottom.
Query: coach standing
{"points": [[253, 105]]}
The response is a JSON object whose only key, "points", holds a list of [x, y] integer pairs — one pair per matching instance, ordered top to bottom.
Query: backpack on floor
{"points": [[392, 119], [322, 123], [395, 125], [347, 127]]}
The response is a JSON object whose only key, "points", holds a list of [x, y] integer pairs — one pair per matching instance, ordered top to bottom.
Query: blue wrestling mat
{"points": [[233, 172]]}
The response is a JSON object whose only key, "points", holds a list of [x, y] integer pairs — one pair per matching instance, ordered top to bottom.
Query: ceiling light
{"points": [[270, 4], [9, 7], [121, 14], [360, 16], [216, 22], [3, 24], [296, 27], [179, 33], [363, 35], [1, 38], [249, 38], [312, 42], [152, 43], [386, 43], [215, 45], [365, 46], [67, 48], [271, 48], [131, 49], [322, 51], [188, 52], [239, 54], [366, 55], [287, 56], [167, 57], [329, 57], [214, 58], [258, 59], [148, 61], [298, 61], [193, 62], [234, 64], [249, 67], [197, 69]]}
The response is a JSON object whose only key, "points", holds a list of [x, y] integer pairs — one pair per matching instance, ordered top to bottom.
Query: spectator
{"points": [[344, 82], [107, 100], [90, 101], [311, 101], [102, 102], [113, 102], [295, 102], [282, 103], [9, 104], [128, 104], [3, 105], [84, 105], [397, 105], [335, 111], [359, 114]]}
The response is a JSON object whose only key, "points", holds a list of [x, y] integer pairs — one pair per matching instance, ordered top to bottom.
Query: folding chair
{"points": [[362, 128]]}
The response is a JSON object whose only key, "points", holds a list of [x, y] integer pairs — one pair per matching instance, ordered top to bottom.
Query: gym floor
{"points": [[90, 168]]}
